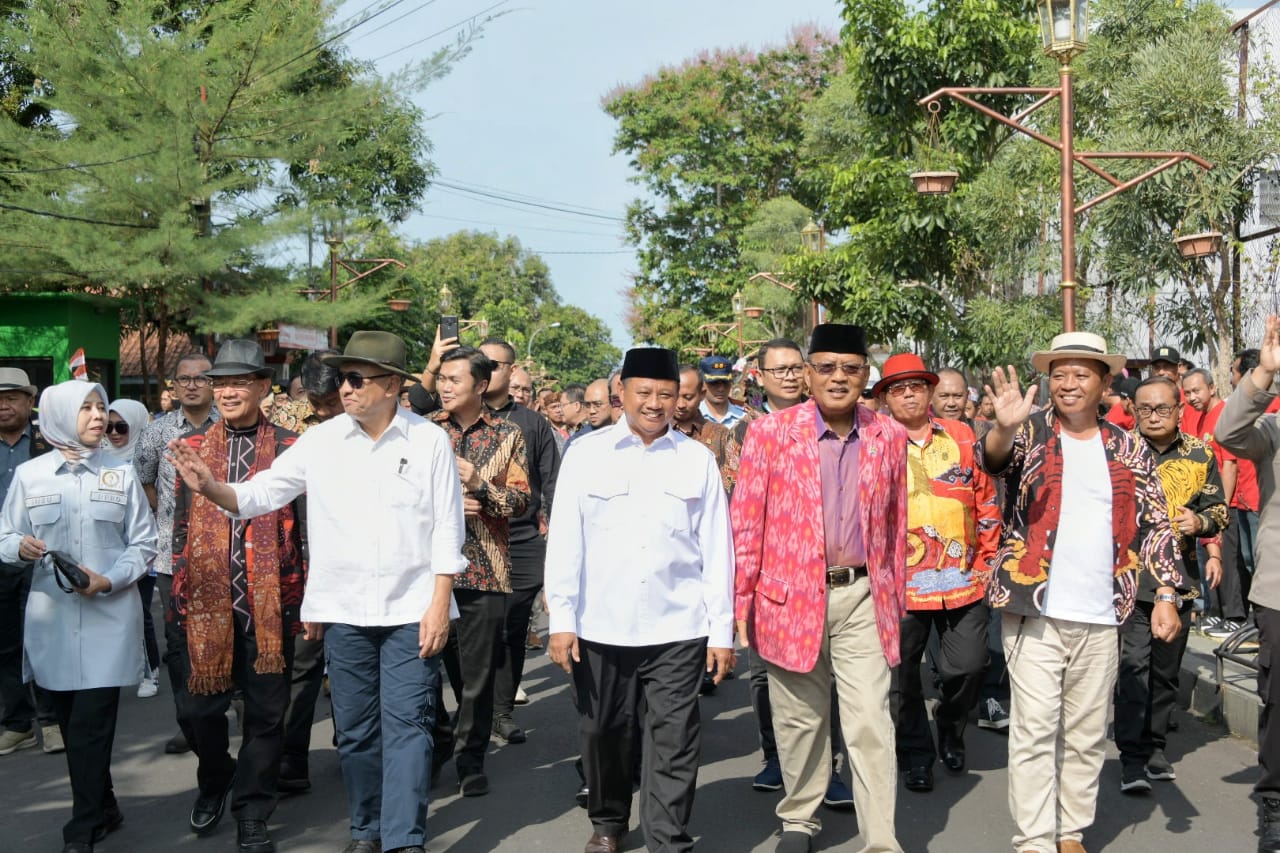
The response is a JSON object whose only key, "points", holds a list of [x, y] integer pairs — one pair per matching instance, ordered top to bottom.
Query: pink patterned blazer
{"points": [[780, 588]]}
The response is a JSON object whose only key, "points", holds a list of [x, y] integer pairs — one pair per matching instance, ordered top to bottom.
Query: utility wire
{"points": [[391, 4], [386, 24], [447, 29], [79, 165], [513, 193], [513, 200], [524, 210], [72, 218], [519, 226], [574, 252]]}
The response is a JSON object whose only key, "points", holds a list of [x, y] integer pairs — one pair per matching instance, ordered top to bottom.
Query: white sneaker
{"points": [[148, 687], [522, 698], [52, 737], [12, 741]]}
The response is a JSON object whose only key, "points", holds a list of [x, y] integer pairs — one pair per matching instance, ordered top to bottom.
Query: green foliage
{"points": [[709, 142]]}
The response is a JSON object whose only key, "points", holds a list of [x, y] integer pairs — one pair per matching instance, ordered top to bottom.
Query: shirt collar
{"points": [[823, 429], [626, 436]]}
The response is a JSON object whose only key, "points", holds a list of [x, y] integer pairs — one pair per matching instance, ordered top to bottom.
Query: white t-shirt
{"points": [[1081, 585]]}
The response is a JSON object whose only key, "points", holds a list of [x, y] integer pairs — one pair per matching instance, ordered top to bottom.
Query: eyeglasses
{"points": [[497, 363], [828, 368], [784, 372], [357, 380], [192, 381], [236, 382], [915, 386], [616, 402], [595, 404], [1145, 411], [120, 427]]}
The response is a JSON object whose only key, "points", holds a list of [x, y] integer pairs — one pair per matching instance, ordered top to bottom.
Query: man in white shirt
{"points": [[717, 381], [384, 520], [639, 584]]}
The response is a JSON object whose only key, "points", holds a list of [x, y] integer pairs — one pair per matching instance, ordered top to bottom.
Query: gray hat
{"points": [[381, 349], [238, 357], [13, 379]]}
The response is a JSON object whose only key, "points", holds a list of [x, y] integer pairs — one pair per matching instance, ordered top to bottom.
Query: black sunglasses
{"points": [[357, 380], [122, 428]]}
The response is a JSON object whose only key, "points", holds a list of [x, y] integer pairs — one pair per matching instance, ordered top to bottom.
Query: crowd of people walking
{"points": [[841, 537]]}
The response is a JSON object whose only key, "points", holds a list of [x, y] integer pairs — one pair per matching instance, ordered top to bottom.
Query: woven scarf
{"points": [[210, 621]]}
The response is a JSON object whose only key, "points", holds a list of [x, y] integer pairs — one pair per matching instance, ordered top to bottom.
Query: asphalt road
{"points": [[531, 806]]}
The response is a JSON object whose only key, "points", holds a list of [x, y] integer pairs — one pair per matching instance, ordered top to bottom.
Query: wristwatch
{"points": [[1168, 598]]}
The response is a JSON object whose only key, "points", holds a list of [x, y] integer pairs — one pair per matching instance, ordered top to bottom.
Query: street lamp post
{"points": [[1064, 30], [333, 238], [464, 323], [734, 331], [528, 350]]}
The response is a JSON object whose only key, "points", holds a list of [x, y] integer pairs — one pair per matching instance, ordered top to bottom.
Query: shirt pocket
{"points": [[403, 492], [678, 505], [605, 506], [107, 512], [45, 515]]}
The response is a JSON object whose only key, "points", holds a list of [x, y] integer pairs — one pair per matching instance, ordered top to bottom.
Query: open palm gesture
{"points": [[1269, 351], [1012, 406]]}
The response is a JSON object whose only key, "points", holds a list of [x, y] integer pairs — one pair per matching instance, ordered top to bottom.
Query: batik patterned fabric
{"points": [[716, 439], [496, 448], [151, 461], [1189, 476], [953, 520], [1140, 525], [779, 541]]}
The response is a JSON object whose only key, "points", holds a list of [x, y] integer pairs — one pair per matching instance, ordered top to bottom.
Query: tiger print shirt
{"points": [[1189, 474]]}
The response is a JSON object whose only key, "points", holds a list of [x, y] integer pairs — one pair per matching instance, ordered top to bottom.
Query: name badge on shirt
{"points": [[111, 480], [109, 497], [44, 500]]}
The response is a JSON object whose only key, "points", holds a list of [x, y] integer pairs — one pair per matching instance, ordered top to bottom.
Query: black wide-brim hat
{"points": [[381, 349], [239, 357], [651, 363]]}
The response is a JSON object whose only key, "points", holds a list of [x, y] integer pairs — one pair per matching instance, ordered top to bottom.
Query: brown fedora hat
{"points": [[381, 349]]}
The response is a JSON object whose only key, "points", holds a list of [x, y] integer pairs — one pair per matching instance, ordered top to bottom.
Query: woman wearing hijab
{"points": [[125, 420], [82, 645]]}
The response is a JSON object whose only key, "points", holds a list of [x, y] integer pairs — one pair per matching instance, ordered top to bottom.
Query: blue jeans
{"points": [[1247, 520], [383, 709]]}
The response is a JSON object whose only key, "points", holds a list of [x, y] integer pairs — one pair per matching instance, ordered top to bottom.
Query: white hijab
{"points": [[60, 413], [135, 414]]}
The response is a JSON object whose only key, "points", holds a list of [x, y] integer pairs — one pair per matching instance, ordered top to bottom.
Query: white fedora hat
{"points": [[1078, 345]]}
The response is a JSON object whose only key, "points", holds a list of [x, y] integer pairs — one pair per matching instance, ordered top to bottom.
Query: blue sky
{"points": [[521, 115]]}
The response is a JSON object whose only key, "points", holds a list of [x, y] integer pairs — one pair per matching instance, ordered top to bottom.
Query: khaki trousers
{"points": [[1061, 677], [801, 723]]}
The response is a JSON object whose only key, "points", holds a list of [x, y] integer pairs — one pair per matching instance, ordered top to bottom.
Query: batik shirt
{"points": [[716, 439], [496, 448], [150, 460], [1189, 475], [953, 521], [1141, 532]]}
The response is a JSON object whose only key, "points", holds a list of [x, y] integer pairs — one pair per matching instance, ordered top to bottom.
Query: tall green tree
{"points": [[186, 140], [709, 141]]}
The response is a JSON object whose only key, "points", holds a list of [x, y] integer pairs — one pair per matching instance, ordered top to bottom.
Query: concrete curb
{"points": [[1234, 705]]}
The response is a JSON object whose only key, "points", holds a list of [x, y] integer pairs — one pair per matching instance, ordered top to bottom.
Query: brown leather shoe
{"points": [[598, 843], [1068, 846]]}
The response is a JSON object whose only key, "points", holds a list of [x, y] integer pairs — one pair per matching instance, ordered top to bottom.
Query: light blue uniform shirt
{"points": [[97, 513]]}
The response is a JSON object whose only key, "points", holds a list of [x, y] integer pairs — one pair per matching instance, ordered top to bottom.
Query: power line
{"points": [[391, 4], [386, 24], [447, 29], [79, 165], [514, 194], [519, 201], [524, 210], [72, 218], [517, 225], [575, 252]]}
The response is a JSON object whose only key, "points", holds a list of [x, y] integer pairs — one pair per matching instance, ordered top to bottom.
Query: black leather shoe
{"points": [[506, 728], [177, 745], [951, 749], [293, 778], [920, 779], [474, 784], [581, 796], [207, 811], [112, 820], [1269, 825], [252, 837], [794, 842], [360, 845], [77, 847]]}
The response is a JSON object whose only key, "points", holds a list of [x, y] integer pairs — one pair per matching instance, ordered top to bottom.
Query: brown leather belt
{"points": [[844, 575]]}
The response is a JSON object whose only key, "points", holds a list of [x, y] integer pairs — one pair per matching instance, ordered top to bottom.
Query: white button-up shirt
{"points": [[97, 514], [383, 517], [639, 551]]}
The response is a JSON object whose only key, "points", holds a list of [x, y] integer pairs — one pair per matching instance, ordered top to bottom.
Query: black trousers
{"points": [[528, 559], [146, 589], [1232, 595], [1268, 620], [962, 641], [174, 645], [471, 658], [995, 679], [305, 680], [609, 684], [759, 684], [1146, 685], [266, 697], [23, 704], [87, 719]]}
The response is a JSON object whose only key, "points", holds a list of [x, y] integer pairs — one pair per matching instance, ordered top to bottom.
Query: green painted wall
{"points": [[54, 325]]}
